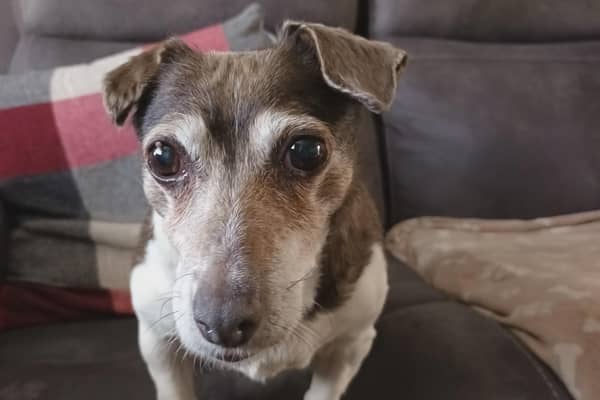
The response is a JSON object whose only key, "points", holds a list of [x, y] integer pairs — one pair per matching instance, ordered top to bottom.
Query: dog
{"points": [[265, 249]]}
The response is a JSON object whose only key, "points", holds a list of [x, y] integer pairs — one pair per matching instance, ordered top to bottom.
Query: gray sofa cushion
{"points": [[129, 19], [487, 20], [243, 31], [38, 52], [495, 131], [443, 350], [93, 361]]}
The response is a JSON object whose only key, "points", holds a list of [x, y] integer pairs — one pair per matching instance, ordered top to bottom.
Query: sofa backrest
{"points": [[148, 20], [487, 20], [101, 25], [497, 114]]}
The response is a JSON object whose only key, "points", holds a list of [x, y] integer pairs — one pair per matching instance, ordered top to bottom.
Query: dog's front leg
{"points": [[335, 366], [172, 374]]}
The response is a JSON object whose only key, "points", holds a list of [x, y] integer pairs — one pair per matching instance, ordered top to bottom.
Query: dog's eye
{"points": [[305, 153], [163, 159]]}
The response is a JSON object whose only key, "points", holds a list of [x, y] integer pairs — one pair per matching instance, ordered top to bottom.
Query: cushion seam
{"points": [[417, 305], [547, 381]]}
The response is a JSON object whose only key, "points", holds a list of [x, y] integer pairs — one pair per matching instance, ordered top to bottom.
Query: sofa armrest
{"points": [[429, 347], [446, 351]]}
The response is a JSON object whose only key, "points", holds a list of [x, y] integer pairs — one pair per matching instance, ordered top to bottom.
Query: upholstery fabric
{"points": [[487, 20], [59, 32], [245, 32], [8, 35], [40, 52], [494, 131], [540, 278], [27, 304], [88, 360]]}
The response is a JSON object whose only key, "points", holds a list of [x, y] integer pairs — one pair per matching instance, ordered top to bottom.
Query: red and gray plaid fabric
{"points": [[70, 185]]}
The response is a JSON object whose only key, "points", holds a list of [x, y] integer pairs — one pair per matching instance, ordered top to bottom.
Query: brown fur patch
{"points": [[353, 229]]}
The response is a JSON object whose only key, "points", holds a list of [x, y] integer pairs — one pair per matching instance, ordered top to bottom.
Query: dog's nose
{"points": [[230, 324], [228, 334]]}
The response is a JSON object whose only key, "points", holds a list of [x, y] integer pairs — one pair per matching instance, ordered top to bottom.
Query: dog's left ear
{"points": [[364, 69], [124, 86]]}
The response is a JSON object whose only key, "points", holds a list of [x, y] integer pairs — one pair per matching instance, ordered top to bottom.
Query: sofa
{"points": [[494, 118]]}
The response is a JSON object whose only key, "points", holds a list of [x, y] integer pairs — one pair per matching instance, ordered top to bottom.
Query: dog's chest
{"points": [[271, 365]]}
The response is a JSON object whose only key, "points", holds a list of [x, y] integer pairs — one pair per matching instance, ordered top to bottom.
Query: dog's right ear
{"points": [[365, 70], [123, 86]]}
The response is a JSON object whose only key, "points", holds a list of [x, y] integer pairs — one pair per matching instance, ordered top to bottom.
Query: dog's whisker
{"points": [[183, 276], [305, 277], [171, 295], [162, 307], [162, 318], [305, 330], [293, 332], [171, 341], [194, 364]]}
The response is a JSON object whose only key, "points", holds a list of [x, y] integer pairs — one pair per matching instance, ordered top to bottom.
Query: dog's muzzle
{"points": [[225, 317]]}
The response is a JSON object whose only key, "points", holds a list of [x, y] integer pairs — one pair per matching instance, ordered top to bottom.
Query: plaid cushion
{"points": [[70, 183]]}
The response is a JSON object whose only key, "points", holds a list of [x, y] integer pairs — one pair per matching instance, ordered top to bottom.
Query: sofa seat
{"points": [[428, 348]]}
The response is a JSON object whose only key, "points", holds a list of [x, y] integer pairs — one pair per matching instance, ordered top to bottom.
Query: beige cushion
{"points": [[539, 278]]}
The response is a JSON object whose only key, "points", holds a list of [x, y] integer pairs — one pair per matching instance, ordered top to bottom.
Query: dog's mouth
{"points": [[237, 355], [230, 357]]}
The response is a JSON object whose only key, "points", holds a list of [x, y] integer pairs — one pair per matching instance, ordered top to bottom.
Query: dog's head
{"points": [[247, 158]]}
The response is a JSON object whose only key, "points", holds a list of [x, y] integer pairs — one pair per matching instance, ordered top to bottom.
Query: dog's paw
{"points": [[320, 393], [175, 397]]}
